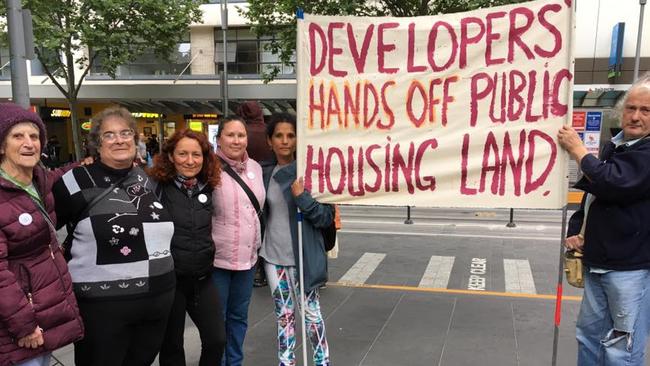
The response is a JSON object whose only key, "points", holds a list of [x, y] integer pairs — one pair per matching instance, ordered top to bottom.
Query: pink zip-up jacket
{"points": [[235, 227]]}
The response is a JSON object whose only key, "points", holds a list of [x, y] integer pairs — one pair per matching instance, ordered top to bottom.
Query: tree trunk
{"points": [[74, 121]]}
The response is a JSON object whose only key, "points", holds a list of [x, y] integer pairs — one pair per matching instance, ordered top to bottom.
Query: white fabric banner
{"points": [[457, 110]]}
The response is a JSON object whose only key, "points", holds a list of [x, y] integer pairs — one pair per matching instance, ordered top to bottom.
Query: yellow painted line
{"points": [[575, 197], [457, 291]]}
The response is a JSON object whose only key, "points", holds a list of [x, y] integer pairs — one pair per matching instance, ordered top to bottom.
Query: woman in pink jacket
{"points": [[236, 232]]}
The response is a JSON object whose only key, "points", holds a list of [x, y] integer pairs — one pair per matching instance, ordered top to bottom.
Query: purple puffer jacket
{"points": [[35, 286]]}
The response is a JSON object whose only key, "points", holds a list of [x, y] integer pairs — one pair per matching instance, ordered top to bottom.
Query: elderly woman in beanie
{"points": [[119, 253], [38, 310]]}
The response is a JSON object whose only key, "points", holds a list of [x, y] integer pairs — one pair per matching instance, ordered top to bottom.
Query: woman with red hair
{"points": [[188, 171]]}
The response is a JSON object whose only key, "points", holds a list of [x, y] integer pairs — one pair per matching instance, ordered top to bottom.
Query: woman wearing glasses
{"points": [[119, 252]]}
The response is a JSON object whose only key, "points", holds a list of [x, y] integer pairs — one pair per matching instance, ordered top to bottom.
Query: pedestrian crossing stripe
{"points": [[438, 272], [358, 274]]}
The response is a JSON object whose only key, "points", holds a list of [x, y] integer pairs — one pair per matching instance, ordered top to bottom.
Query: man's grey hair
{"points": [[643, 82]]}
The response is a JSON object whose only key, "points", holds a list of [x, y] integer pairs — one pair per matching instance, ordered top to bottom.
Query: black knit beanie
{"points": [[12, 114]]}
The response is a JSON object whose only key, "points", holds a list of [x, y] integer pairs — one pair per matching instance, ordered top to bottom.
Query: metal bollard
{"points": [[408, 220], [511, 223]]}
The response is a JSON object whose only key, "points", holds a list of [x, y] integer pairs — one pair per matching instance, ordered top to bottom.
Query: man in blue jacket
{"points": [[612, 229]]}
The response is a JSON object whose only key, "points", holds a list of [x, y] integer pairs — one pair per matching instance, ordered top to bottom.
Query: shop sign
{"points": [[60, 113], [145, 115], [201, 116], [578, 121], [593, 121], [86, 126], [196, 126]]}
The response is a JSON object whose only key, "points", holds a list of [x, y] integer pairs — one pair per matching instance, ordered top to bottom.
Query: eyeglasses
{"points": [[644, 111], [110, 136]]}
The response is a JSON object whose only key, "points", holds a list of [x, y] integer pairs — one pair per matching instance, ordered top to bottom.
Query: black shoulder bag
{"points": [[251, 196]]}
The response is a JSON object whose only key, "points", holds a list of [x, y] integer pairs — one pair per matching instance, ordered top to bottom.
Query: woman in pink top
{"points": [[236, 233]]}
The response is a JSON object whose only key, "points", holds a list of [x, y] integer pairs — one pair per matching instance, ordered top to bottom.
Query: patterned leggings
{"points": [[285, 291]]}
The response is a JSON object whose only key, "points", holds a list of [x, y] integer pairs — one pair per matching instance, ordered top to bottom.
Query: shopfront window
{"points": [[246, 54], [4, 60], [148, 64]]}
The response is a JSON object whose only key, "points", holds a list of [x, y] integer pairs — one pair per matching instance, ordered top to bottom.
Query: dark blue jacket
{"points": [[315, 217], [617, 234]]}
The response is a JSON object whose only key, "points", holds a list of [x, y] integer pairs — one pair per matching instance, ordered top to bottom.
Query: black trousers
{"points": [[199, 297], [123, 332]]}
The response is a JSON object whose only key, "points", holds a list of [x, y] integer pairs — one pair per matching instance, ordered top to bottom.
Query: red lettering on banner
{"points": [[316, 30], [515, 33], [557, 36], [491, 37], [466, 40], [383, 48], [431, 49], [334, 50], [360, 56], [410, 62], [532, 77], [508, 87], [369, 90], [476, 95], [446, 98], [433, 101], [363, 102], [516, 103], [316, 104], [350, 104], [333, 106], [386, 107], [557, 108], [415, 120], [490, 150], [334, 151], [464, 154], [495, 164], [516, 165], [318, 166], [374, 167], [405, 167], [401, 169], [351, 172], [430, 180], [533, 184]]}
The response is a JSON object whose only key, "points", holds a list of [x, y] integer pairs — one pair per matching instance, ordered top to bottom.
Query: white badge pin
{"points": [[250, 175], [203, 198], [158, 205], [25, 219]]}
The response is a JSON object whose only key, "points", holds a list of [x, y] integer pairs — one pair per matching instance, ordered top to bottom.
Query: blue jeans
{"points": [[235, 289], [612, 326], [42, 360]]}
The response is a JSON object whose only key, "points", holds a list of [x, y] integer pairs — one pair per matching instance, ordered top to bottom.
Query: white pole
{"points": [[637, 56], [302, 290]]}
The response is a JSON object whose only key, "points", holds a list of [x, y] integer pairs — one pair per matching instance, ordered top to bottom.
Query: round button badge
{"points": [[250, 175], [203, 198], [25, 219]]}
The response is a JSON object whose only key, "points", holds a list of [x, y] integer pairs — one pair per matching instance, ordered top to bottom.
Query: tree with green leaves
{"points": [[277, 18], [71, 35]]}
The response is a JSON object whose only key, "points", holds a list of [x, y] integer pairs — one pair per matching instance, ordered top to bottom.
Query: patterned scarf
{"points": [[187, 183]]}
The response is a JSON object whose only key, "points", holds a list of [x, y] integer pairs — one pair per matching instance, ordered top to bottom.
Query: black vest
{"points": [[192, 246]]}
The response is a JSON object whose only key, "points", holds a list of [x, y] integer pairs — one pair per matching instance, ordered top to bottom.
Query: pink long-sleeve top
{"points": [[235, 226]]}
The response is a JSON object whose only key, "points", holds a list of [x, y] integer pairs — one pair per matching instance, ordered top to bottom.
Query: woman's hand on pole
{"points": [[297, 187]]}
